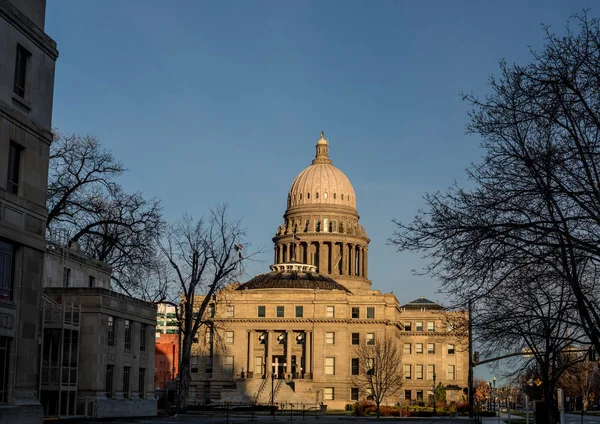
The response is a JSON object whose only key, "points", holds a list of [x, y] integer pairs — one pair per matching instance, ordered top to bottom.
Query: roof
{"points": [[322, 183], [294, 279], [422, 303]]}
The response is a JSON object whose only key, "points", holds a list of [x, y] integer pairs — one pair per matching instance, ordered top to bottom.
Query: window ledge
{"points": [[24, 103]]}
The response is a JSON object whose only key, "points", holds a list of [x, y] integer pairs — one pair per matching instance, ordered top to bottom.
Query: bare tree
{"points": [[88, 207], [204, 255], [380, 374]]}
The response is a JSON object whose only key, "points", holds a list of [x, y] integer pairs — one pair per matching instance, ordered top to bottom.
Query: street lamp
{"points": [[494, 380], [272, 390], [434, 409]]}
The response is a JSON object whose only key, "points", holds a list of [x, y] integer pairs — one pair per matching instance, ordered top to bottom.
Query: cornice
{"points": [[19, 20], [316, 236], [307, 321]]}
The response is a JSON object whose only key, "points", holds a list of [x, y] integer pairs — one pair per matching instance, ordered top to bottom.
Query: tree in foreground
{"points": [[535, 198], [87, 206], [203, 257], [380, 375]]}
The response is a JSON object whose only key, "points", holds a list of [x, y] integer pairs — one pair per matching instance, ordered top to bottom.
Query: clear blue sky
{"points": [[209, 102]]}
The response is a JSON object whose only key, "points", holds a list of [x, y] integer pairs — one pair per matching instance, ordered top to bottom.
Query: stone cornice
{"points": [[19, 20], [326, 236], [308, 321]]}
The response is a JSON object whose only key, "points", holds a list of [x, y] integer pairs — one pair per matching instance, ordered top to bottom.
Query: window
{"points": [[21, 65], [308, 195], [317, 195], [6, 266], [66, 277], [91, 281], [211, 311], [230, 311], [261, 311], [280, 311], [299, 311], [330, 311], [355, 312], [371, 312], [419, 325], [407, 326], [430, 326], [111, 332], [127, 334], [142, 337], [208, 337], [229, 337], [329, 338], [355, 338], [370, 338], [407, 348], [419, 348], [431, 348], [450, 349], [4, 358], [194, 364], [209, 365], [228, 365], [258, 365], [329, 366], [370, 366], [355, 369], [419, 371], [430, 371], [407, 372], [451, 372], [126, 374], [108, 381], [142, 382], [328, 393], [354, 393], [408, 394], [420, 395]]}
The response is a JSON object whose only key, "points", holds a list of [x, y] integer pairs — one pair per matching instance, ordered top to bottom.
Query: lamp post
{"points": [[272, 390], [494, 391], [490, 398], [434, 409]]}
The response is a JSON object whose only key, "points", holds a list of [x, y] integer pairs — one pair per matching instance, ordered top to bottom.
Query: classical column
{"points": [[343, 249], [295, 251], [275, 254], [322, 259], [352, 259], [366, 261], [251, 335], [288, 351], [307, 356], [269, 358]]}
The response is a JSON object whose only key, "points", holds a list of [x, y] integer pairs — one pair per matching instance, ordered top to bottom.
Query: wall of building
{"points": [[24, 120], [80, 268], [96, 353], [166, 354]]}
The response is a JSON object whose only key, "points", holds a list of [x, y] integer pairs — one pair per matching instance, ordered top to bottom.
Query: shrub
{"points": [[365, 407]]}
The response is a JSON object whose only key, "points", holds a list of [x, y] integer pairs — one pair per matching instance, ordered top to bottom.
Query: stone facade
{"points": [[28, 59], [294, 331], [114, 356]]}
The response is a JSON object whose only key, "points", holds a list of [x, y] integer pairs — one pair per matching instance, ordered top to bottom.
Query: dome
{"points": [[322, 183], [292, 276]]}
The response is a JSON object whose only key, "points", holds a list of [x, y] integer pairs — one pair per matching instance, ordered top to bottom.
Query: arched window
{"points": [[308, 195], [317, 195], [325, 195], [300, 196], [333, 196], [342, 197], [334, 226]]}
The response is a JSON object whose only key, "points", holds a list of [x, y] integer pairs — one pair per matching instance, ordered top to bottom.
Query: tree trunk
{"points": [[185, 376]]}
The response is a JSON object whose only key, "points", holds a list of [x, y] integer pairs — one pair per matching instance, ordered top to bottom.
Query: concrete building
{"points": [[27, 61], [166, 320], [300, 323], [98, 345]]}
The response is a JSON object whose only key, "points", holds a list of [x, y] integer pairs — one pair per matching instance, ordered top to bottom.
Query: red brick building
{"points": [[166, 359]]}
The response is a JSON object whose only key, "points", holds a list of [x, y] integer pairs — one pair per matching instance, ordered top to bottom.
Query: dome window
{"points": [[308, 195], [317, 195], [325, 195], [300, 196], [333, 196], [342, 197]]}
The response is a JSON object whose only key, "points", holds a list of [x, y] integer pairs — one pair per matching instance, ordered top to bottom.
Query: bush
{"points": [[351, 407], [462, 407], [364, 408]]}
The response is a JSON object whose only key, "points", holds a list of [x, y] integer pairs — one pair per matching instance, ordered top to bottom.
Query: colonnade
{"points": [[338, 258], [268, 362]]}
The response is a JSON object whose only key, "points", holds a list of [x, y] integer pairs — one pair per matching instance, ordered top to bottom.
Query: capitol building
{"points": [[297, 327]]}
